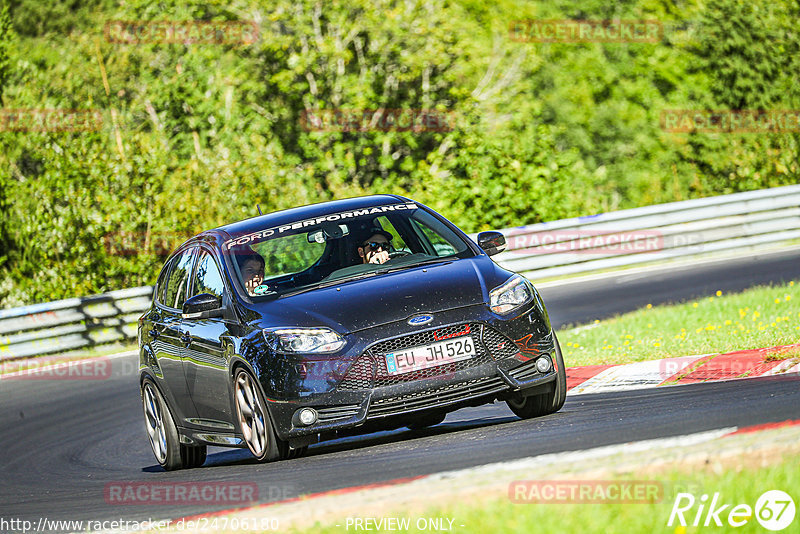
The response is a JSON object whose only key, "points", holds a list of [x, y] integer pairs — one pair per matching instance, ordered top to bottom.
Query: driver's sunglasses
{"points": [[375, 245]]}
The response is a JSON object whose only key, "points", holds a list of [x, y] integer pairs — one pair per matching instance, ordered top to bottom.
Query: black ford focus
{"points": [[344, 317]]}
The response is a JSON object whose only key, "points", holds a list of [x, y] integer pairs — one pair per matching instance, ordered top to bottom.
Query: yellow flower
{"points": [[719, 293], [788, 298], [777, 301], [694, 304], [649, 306], [728, 322], [649, 325], [628, 336], [656, 344]]}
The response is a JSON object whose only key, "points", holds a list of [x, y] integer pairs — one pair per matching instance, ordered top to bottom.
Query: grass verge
{"points": [[756, 318], [735, 486]]}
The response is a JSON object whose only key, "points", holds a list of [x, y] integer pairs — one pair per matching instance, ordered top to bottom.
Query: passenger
{"points": [[377, 247], [251, 265]]}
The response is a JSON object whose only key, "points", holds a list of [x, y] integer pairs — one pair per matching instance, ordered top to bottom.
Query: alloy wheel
{"points": [[252, 420], [155, 423]]}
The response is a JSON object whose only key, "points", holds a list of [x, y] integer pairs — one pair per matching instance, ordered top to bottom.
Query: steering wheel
{"points": [[398, 254]]}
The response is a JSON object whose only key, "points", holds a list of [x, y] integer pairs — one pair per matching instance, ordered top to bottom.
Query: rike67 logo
{"points": [[774, 510]]}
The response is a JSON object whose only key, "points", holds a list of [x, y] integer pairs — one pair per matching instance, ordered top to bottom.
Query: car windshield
{"points": [[332, 248]]}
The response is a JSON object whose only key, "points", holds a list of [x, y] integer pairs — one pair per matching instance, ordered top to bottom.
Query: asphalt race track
{"points": [[63, 441]]}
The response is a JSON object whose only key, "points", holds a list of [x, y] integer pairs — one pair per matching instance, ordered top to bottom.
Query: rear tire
{"points": [[545, 403], [254, 421], [161, 428], [193, 456]]}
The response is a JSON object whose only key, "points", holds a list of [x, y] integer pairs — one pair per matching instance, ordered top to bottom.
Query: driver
{"points": [[377, 247]]}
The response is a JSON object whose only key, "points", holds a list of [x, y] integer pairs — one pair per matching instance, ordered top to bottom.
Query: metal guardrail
{"points": [[737, 222], [71, 323]]}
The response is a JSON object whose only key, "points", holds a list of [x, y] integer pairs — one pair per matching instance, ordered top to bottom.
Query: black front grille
{"points": [[499, 345], [370, 371], [525, 371], [360, 375], [432, 398], [334, 413]]}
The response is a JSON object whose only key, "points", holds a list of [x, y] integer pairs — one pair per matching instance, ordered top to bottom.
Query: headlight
{"points": [[510, 295], [303, 340]]}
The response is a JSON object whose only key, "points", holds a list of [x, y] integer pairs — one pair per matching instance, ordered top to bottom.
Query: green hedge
{"points": [[194, 136]]}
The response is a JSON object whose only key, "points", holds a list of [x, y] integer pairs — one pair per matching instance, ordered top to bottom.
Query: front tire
{"points": [[545, 403], [254, 421], [161, 428], [193, 456]]}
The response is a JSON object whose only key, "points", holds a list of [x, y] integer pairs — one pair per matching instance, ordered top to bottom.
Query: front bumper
{"points": [[364, 396]]}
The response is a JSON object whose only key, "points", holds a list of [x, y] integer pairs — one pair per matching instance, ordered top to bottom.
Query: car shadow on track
{"points": [[463, 420], [234, 457]]}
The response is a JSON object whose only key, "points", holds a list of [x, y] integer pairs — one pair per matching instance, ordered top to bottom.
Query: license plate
{"points": [[425, 356]]}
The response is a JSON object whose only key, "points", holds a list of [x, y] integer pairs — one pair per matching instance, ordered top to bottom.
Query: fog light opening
{"points": [[543, 364], [307, 416]]}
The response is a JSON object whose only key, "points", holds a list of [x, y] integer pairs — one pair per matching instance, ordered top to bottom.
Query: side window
{"points": [[437, 237], [397, 240], [442, 246], [207, 278], [179, 279], [161, 283]]}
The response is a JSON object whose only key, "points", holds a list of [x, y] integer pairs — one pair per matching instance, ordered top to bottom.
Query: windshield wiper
{"points": [[415, 264], [368, 274], [328, 283]]}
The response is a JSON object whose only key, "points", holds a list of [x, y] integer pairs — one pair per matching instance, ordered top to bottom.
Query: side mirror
{"points": [[492, 242], [202, 306]]}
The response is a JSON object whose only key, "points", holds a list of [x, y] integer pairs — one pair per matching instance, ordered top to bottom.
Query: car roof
{"points": [[287, 216]]}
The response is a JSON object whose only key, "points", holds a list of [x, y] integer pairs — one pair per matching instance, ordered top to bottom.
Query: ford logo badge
{"points": [[419, 320]]}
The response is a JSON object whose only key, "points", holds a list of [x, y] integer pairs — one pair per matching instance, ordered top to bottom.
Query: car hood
{"points": [[366, 303]]}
